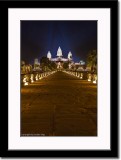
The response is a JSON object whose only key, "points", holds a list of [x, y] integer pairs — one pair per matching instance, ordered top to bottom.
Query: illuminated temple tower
{"points": [[59, 52], [49, 55], [69, 56], [60, 60]]}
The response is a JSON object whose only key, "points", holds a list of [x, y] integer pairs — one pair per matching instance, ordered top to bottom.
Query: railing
{"points": [[90, 77], [27, 79]]}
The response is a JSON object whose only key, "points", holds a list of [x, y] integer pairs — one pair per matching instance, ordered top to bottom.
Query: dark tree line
{"points": [[92, 60], [47, 65]]}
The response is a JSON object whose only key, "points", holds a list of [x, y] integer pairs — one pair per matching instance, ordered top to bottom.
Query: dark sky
{"points": [[39, 37]]}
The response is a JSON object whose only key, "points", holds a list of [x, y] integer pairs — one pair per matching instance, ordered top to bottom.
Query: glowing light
{"points": [[32, 76], [81, 76], [36, 77], [89, 77], [24, 80], [94, 81], [26, 83]]}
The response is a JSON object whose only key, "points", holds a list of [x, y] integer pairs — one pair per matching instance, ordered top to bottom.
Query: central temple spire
{"points": [[59, 52]]}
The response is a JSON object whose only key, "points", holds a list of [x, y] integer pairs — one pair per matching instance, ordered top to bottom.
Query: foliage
{"points": [[92, 59], [44, 61], [46, 64], [53, 65], [66, 65]]}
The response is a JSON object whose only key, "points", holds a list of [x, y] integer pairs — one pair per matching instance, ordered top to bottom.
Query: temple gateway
{"points": [[60, 60]]}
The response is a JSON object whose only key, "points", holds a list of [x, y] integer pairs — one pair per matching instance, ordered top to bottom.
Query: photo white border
{"points": [[102, 141]]}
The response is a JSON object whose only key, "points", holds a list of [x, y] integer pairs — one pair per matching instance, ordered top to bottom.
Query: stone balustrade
{"points": [[90, 77], [27, 79]]}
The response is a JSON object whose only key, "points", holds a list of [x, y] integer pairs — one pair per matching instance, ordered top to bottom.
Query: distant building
{"points": [[59, 56], [59, 60], [36, 62], [82, 62], [36, 65], [81, 66], [88, 69]]}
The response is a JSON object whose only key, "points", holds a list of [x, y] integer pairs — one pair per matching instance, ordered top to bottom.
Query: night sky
{"points": [[39, 37]]}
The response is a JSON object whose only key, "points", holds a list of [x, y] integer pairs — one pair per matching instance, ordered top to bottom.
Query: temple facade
{"points": [[59, 57], [60, 60]]}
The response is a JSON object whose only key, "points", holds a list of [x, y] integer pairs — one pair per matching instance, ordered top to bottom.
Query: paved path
{"points": [[59, 105]]}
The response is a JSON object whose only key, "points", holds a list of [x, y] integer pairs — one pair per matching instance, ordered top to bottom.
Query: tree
{"points": [[92, 59], [46, 64], [53, 65], [66, 65]]}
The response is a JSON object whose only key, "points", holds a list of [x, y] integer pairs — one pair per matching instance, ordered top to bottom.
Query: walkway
{"points": [[59, 105]]}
